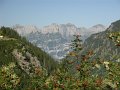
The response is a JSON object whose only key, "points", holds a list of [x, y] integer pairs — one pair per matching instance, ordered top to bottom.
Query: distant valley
{"points": [[55, 39]]}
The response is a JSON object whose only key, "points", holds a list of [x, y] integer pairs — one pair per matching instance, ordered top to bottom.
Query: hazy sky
{"points": [[43, 12]]}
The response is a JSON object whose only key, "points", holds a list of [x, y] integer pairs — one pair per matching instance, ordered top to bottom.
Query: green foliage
{"points": [[8, 32], [115, 36], [76, 43], [5, 51], [8, 78]]}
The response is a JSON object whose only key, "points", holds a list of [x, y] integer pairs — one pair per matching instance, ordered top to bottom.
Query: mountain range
{"points": [[55, 39]]}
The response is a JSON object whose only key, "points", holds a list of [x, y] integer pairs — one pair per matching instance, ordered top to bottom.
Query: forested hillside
{"points": [[26, 58]]}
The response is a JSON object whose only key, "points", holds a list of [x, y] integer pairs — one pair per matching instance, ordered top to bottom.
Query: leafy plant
{"points": [[8, 78]]}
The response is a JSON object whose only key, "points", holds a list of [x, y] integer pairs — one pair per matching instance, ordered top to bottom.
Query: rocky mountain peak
{"points": [[70, 24], [98, 25], [114, 26], [53, 28], [97, 28], [23, 30]]}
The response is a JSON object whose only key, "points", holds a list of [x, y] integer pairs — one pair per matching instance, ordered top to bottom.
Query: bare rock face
{"points": [[53, 28], [97, 28], [23, 30], [65, 30], [68, 30], [27, 62]]}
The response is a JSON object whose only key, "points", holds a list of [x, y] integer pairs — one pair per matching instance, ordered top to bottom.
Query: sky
{"points": [[82, 13]]}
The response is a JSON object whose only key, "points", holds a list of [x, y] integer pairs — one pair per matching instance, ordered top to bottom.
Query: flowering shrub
{"points": [[8, 78]]}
